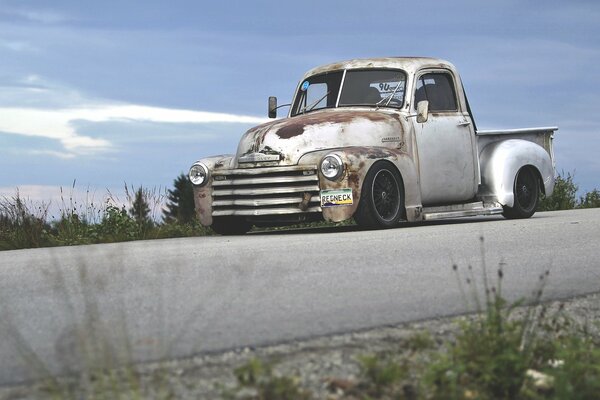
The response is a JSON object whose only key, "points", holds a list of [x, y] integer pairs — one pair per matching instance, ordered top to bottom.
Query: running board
{"points": [[461, 210]]}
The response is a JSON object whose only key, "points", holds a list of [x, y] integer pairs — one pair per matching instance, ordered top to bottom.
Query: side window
{"points": [[438, 89]]}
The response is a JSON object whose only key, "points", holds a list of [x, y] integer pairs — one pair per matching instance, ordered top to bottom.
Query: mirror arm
{"points": [[283, 105], [273, 106]]}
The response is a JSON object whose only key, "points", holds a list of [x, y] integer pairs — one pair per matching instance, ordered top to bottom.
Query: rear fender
{"points": [[500, 162]]}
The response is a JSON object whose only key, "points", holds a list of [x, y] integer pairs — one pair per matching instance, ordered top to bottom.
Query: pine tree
{"points": [[180, 201], [140, 211]]}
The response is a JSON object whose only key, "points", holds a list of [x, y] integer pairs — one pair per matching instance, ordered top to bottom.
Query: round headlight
{"points": [[332, 167], [198, 174]]}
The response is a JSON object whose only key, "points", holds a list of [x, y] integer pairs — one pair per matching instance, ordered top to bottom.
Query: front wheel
{"points": [[526, 191], [382, 198], [230, 225]]}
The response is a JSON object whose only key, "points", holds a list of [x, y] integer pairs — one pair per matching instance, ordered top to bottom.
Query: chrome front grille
{"points": [[266, 191]]}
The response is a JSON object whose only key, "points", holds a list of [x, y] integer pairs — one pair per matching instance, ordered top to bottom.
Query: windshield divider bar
{"points": [[337, 102]]}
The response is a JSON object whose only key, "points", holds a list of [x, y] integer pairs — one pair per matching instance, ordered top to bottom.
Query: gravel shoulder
{"points": [[315, 363]]}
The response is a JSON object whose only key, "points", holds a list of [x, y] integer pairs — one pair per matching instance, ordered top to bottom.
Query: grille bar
{"points": [[264, 171], [267, 180], [261, 191], [266, 191], [263, 202], [263, 211]]}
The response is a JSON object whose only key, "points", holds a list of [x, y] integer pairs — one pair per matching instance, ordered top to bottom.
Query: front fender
{"points": [[358, 161], [500, 162], [203, 194]]}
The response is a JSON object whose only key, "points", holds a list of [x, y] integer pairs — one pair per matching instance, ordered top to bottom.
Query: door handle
{"points": [[464, 123]]}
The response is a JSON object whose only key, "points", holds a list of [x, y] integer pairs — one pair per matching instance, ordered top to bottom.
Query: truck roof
{"points": [[408, 64]]}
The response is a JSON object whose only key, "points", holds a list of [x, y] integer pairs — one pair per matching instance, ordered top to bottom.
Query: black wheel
{"points": [[526, 191], [382, 199], [230, 225]]}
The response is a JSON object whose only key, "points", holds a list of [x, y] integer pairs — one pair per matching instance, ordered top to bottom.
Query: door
{"points": [[445, 143]]}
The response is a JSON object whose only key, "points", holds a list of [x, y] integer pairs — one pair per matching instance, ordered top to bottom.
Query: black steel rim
{"points": [[525, 189], [386, 195]]}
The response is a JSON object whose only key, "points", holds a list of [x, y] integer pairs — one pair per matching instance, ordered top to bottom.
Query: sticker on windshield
{"points": [[305, 86], [336, 197]]}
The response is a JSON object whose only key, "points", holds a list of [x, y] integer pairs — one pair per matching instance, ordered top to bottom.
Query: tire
{"points": [[526, 191], [382, 198], [230, 225]]}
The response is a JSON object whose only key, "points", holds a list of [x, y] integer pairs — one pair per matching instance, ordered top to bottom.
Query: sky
{"points": [[121, 92]]}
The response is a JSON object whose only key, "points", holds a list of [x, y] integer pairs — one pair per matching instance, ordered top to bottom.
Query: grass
{"points": [[24, 224]]}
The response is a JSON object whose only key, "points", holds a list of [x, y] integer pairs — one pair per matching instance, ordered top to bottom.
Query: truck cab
{"points": [[380, 140]]}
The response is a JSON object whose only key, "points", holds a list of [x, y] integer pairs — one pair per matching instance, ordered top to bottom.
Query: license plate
{"points": [[336, 197]]}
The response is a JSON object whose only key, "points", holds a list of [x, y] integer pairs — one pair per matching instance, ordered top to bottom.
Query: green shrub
{"points": [[563, 197], [590, 199], [117, 226], [71, 229], [175, 230], [492, 352], [381, 375], [578, 375], [265, 385]]}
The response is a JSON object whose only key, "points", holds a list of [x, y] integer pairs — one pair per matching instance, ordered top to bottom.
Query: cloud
{"points": [[61, 123], [52, 153]]}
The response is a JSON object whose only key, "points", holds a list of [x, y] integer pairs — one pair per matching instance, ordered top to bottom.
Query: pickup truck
{"points": [[380, 140]]}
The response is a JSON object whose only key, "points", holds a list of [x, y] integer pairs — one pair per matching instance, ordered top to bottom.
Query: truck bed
{"points": [[542, 136]]}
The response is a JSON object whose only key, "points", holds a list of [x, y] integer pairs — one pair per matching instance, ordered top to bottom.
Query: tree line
{"points": [[152, 214]]}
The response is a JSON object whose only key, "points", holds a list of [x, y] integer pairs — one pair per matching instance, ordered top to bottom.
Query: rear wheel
{"points": [[526, 191], [382, 199], [230, 225]]}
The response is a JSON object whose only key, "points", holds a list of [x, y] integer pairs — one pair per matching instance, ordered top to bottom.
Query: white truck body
{"points": [[381, 140]]}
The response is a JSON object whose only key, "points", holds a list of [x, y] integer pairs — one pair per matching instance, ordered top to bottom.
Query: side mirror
{"points": [[272, 107], [422, 111]]}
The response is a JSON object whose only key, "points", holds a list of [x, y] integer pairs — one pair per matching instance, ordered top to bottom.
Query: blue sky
{"points": [[111, 92]]}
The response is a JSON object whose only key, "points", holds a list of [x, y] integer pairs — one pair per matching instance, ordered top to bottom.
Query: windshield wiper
{"points": [[390, 97], [313, 105]]}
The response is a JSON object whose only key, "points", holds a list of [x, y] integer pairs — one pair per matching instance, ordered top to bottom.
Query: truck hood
{"points": [[284, 141]]}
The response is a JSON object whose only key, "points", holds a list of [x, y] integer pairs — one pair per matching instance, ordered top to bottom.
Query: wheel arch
{"points": [[401, 162]]}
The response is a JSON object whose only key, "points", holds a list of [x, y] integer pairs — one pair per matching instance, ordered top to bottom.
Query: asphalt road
{"points": [[63, 309]]}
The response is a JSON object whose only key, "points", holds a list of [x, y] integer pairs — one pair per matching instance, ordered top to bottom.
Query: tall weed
{"points": [[22, 223]]}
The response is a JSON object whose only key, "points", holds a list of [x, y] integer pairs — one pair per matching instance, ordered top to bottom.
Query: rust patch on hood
{"points": [[295, 126], [257, 133]]}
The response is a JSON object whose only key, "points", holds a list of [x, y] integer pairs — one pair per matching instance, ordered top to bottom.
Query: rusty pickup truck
{"points": [[380, 140]]}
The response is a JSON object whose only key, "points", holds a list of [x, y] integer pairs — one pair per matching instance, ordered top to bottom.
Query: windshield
{"points": [[377, 88]]}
